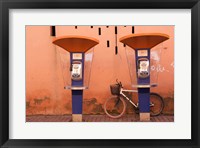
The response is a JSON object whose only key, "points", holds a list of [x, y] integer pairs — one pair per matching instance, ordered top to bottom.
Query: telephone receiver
{"points": [[70, 68]]}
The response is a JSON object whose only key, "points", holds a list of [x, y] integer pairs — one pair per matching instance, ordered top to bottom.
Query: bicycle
{"points": [[115, 107]]}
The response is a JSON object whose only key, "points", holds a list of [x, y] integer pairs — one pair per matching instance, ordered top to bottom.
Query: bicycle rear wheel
{"points": [[156, 104], [115, 107]]}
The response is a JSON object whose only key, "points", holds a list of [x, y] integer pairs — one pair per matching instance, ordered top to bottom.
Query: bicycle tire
{"points": [[158, 104], [112, 113]]}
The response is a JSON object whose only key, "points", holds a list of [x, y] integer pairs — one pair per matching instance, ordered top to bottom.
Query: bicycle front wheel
{"points": [[156, 104], [115, 107]]}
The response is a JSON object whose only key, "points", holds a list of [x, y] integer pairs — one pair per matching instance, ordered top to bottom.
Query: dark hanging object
{"points": [[91, 26], [107, 26], [124, 26], [75, 27], [115, 29], [53, 30], [133, 30], [99, 31], [108, 43], [124, 45], [116, 50]]}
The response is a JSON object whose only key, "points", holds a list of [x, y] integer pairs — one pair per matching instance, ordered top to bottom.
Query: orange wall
{"points": [[44, 81]]}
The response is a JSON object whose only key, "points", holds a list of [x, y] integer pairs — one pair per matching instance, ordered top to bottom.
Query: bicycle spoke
{"points": [[156, 104], [114, 107]]}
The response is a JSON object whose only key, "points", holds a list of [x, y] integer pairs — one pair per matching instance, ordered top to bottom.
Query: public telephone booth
{"points": [[143, 55], [77, 62]]}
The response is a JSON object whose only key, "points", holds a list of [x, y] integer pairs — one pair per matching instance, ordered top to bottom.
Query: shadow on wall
{"points": [[48, 106]]}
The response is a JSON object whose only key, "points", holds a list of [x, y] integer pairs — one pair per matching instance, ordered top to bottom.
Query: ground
{"points": [[96, 118]]}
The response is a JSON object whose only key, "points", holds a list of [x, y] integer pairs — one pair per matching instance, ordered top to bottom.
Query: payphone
{"points": [[142, 45], [79, 60], [143, 67], [76, 70]]}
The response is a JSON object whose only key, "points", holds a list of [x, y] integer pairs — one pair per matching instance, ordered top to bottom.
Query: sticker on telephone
{"points": [[142, 53], [77, 56]]}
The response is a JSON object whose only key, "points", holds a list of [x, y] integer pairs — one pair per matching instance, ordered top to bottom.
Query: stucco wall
{"points": [[44, 80]]}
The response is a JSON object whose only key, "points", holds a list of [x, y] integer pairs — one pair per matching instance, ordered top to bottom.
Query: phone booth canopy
{"points": [[144, 45], [76, 60]]}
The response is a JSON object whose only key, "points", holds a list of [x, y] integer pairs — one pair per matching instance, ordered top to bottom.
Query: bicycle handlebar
{"points": [[119, 82]]}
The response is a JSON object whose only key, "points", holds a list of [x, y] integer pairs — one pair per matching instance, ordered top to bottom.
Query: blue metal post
{"points": [[143, 92], [77, 95]]}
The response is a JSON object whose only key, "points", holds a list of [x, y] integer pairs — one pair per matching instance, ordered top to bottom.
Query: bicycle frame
{"points": [[127, 90]]}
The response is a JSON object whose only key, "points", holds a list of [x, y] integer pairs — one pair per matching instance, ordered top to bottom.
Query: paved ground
{"points": [[96, 118]]}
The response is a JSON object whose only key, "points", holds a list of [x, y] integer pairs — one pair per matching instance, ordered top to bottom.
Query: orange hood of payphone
{"points": [[144, 40], [75, 43]]}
